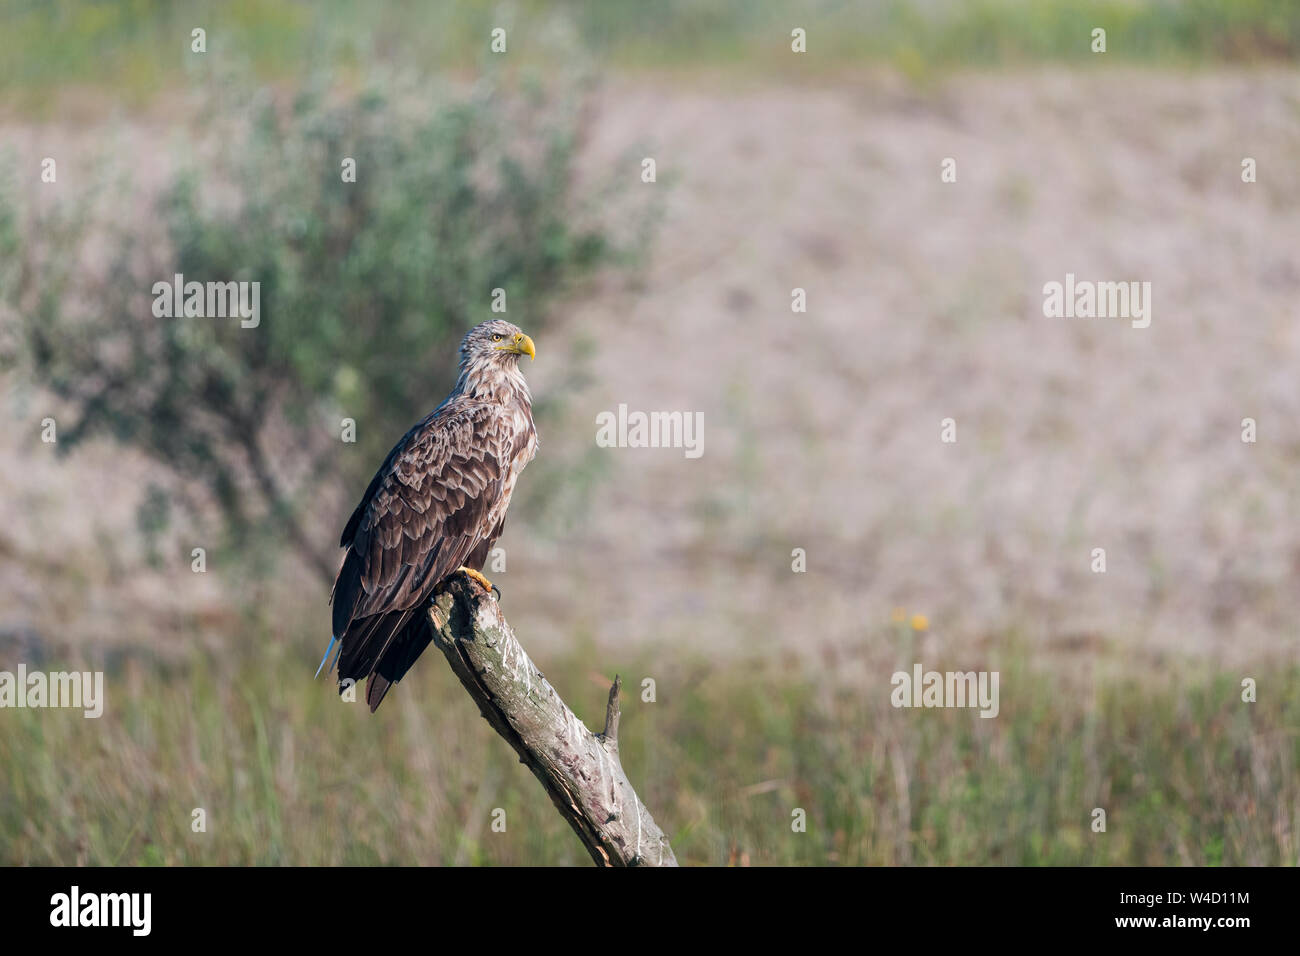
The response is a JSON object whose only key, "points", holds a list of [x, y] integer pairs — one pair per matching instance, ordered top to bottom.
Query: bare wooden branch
{"points": [[610, 734], [580, 770]]}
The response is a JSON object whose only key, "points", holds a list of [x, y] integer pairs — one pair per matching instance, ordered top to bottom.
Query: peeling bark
{"points": [[580, 770]]}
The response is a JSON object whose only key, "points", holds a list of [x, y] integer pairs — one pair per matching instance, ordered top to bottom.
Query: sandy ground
{"points": [[822, 429]]}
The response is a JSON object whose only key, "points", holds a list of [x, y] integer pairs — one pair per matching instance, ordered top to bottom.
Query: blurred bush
{"points": [[366, 286]]}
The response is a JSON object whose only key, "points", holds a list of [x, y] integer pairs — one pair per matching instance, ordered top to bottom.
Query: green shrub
{"points": [[365, 287]]}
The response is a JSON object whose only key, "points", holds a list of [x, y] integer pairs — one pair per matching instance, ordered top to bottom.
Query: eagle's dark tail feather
{"points": [[383, 648]]}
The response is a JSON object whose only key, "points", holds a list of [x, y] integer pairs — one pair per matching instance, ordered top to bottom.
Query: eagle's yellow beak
{"points": [[522, 345]]}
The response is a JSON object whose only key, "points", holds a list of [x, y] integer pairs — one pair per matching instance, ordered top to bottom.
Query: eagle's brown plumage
{"points": [[438, 502]]}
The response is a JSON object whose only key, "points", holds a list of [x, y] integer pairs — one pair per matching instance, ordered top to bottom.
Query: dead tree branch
{"points": [[580, 770]]}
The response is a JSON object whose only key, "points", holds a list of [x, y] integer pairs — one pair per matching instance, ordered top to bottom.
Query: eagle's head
{"points": [[495, 344], [489, 362]]}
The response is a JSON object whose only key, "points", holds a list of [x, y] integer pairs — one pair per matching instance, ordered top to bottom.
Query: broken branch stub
{"points": [[580, 770]]}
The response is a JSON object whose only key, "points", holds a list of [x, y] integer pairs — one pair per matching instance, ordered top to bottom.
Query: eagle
{"points": [[436, 506]]}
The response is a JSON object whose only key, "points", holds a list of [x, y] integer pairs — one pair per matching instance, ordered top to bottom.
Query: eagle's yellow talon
{"points": [[478, 576]]}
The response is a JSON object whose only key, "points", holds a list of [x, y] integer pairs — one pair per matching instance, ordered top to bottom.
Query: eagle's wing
{"points": [[430, 504]]}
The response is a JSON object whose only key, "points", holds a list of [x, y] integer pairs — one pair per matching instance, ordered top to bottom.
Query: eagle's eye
{"points": [[498, 337]]}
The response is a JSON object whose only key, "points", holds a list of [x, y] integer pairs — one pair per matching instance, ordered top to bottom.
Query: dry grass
{"points": [[287, 774]]}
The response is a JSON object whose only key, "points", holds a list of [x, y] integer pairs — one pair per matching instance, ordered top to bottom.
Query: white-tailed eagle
{"points": [[436, 506]]}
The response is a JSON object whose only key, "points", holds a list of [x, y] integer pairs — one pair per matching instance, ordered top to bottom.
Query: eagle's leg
{"points": [[478, 576]]}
